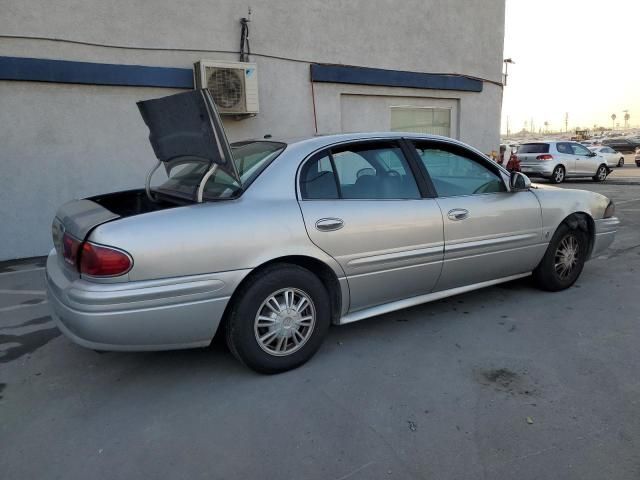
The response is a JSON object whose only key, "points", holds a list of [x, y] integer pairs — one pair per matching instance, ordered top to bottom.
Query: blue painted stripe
{"points": [[64, 71], [392, 78]]}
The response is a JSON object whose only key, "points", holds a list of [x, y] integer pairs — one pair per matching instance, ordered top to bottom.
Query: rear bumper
{"points": [[542, 169], [605, 233], [182, 312]]}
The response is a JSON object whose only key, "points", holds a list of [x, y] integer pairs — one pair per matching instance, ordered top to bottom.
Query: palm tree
{"points": [[627, 117], [613, 120], [546, 127]]}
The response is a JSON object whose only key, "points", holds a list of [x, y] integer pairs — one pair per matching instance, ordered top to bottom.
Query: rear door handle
{"points": [[458, 214], [329, 224]]}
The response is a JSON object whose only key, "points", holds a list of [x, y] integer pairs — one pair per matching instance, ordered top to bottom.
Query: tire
{"points": [[621, 162], [558, 174], [601, 174], [549, 275], [282, 348]]}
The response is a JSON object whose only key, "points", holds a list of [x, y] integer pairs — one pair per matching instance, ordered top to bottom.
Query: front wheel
{"points": [[621, 162], [558, 174], [601, 174], [564, 259], [279, 319]]}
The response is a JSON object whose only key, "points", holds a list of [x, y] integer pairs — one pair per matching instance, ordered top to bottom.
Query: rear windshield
{"points": [[534, 148], [251, 158]]}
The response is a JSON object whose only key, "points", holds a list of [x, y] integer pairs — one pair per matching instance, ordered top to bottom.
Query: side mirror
{"points": [[592, 154], [519, 182]]}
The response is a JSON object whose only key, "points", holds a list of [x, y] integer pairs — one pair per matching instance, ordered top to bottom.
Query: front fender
{"points": [[558, 203]]}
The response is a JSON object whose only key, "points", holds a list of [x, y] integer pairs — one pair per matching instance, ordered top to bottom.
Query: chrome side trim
{"points": [[458, 247], [403, 255], [429, 297]]}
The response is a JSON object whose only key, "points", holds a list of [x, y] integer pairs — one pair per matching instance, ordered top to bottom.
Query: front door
{"points": [[586, 162], [362, 205], [489, 232]]}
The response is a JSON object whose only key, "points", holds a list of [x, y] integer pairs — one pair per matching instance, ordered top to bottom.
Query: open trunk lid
{"points": [[186, 127], [183, 128]]}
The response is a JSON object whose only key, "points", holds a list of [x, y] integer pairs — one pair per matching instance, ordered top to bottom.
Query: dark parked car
{"points": [[624, 145]]}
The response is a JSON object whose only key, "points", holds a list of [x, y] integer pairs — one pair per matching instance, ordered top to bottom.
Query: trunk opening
{"points": [[134, 202]]}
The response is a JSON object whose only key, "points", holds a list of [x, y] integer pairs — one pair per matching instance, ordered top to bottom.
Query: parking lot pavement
{"points": [[628, 173], [507, 382]]}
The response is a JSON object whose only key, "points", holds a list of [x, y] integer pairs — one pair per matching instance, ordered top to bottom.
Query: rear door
{"points": [[566, 156], [363, 204], [489, 232]]}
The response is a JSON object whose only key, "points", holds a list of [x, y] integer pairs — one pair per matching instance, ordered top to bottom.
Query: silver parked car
{"points": [[609, 155], [559, 160], [274, 241]]}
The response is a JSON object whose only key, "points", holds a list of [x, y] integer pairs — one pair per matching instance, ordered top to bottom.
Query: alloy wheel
{"points": [[602, 173], [558, 174], [566, 257], [285, 322]]}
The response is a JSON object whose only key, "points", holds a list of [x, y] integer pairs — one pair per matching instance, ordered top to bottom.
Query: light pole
{"points": [[507, 61]]}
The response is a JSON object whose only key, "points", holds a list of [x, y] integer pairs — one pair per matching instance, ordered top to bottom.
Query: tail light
{"points": [[544, 157], [70, 248], [95, 260], [101, 261]]}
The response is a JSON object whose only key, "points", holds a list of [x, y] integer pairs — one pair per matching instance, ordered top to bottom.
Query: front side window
{"points": [[433, 121], [579, 149], [366, 171], [455, 174]]}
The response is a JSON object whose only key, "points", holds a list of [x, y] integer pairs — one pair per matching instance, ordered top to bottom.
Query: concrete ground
{"points": [[628, 173], [503, 383]]}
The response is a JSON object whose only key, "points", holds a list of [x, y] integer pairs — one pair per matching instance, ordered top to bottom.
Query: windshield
{"points": [[250, 159]]}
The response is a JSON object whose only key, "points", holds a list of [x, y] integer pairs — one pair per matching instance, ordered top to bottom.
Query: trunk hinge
{"points": [[204, 180], [147, 183]]}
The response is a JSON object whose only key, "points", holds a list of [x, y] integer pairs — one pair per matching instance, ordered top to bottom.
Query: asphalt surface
{"points": [[504, 383]]}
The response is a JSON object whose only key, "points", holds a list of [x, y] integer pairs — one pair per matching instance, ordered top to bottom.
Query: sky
{"points": [[575, 56]]}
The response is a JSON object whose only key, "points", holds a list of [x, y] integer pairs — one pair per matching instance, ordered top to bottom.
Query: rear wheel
{"points": [[621, 162], [558, 174], [601, 174], [564, 259], [279, 319]]}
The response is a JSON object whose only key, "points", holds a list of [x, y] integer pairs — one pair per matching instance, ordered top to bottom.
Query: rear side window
{"points": [[534, 148], [564, 148], [367, 171], [317, 179]]}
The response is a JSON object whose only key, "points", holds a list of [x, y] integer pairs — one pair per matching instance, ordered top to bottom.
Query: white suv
{"points": [[559, 160]]}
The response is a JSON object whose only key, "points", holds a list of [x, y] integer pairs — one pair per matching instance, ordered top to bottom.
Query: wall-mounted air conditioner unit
{"points": [[233, 85]]}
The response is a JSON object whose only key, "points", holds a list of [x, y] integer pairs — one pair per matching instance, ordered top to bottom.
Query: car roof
{"points": [[322, 141]]}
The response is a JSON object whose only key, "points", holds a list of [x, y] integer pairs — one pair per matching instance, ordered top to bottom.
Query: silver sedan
{"points": [[273, 242]]}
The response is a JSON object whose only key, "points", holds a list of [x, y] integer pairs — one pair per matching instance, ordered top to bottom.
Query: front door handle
{"points": [[458, 214], [329, 224]]}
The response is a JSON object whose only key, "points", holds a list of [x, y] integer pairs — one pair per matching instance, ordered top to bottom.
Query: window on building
{"points": [[435, 121]]}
